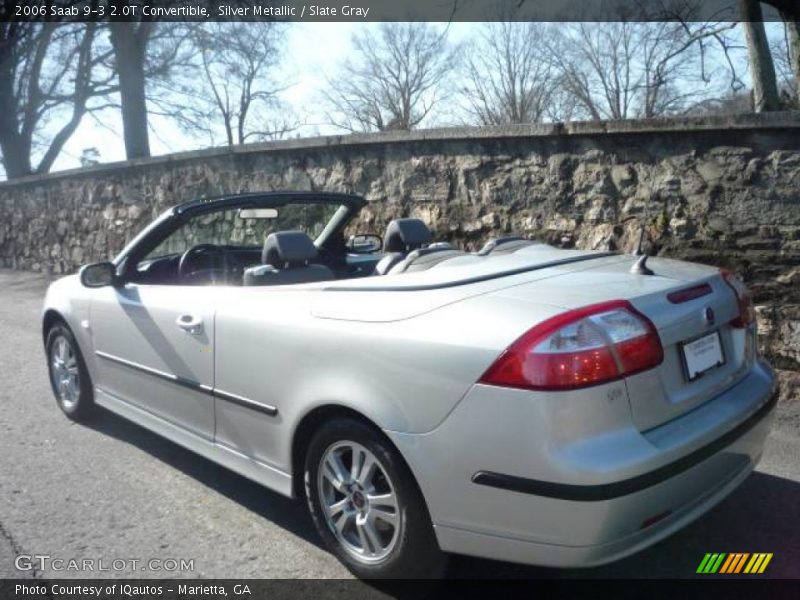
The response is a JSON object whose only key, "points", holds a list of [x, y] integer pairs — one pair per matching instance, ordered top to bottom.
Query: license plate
{"points": [[702, 354]]}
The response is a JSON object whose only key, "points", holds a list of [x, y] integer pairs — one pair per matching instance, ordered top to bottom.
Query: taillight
{"points": [[747, 312], [579, 348]]}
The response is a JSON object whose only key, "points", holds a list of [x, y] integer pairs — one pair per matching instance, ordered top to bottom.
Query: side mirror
{"points": [[364, 243], [98, 274]]}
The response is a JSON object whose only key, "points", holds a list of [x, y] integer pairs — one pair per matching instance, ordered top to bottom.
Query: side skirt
{"points": [[259, 472]]}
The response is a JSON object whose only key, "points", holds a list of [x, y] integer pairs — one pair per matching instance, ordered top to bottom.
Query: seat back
{"points": [[405, 235], [402, 237], [286, 259]]}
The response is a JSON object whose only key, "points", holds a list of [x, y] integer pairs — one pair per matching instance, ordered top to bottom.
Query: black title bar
{"points": [[386, 10]]}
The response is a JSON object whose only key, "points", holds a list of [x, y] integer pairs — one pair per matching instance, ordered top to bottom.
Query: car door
{"points": [[154, 335], [154, 347]]}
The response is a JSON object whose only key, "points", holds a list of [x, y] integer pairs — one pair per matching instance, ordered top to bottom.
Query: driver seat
{"points": [[286, 259]]}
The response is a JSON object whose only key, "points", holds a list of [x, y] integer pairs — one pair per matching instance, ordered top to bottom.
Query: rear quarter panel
{"points": [[405, 375]]}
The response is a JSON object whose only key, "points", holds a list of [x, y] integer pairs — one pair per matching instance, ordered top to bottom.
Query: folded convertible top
{"points": [[483, 268]]}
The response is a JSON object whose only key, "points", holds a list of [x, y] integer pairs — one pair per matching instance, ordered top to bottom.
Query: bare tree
{"points": [[793, 43], [130, 46], [781, 50], [786, 55], [146, 56], [764, 60], [762, 68], [625, 69], [509, 74], [48, 75], [395, 79], [234, 86], [730, 104], [562, 106]]}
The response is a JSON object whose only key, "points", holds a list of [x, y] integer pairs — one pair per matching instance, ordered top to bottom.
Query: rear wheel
{"points": [[68, 375], [367, 506]]}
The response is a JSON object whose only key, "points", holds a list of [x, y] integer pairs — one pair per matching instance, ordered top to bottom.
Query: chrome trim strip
{"points": [[181, 381], [192, 385], [246, 402]]}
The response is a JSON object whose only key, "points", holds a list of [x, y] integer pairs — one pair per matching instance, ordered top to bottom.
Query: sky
{"points": [[313, 50], [305, 67]]}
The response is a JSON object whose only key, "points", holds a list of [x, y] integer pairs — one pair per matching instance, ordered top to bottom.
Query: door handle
{"points": [[190, 324]]}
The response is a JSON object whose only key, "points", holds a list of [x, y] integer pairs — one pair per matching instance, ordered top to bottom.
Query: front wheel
{"points": [[69, 377], [367, 506]]}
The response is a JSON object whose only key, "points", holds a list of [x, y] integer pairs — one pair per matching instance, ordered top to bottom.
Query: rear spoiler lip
{"points": [[470, 280]]}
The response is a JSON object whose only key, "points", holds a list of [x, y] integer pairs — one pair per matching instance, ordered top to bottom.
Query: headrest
{"points": [[404, 235], [288, 248]]}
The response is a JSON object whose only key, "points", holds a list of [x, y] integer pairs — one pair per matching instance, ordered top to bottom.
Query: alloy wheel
{"points": [[64, 372], [359, 502]]}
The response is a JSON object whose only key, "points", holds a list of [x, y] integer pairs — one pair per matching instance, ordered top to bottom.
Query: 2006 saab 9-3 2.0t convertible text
{"points": [[524, 403]]}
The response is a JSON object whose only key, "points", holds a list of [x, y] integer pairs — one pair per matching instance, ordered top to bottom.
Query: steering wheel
{"points": [[184, 266]]}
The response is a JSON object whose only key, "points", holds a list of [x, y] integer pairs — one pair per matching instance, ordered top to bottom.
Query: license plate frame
{"points": [[695, 365]]}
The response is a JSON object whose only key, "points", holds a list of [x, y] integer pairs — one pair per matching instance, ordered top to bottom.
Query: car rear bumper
{"points": [[603, 497]]}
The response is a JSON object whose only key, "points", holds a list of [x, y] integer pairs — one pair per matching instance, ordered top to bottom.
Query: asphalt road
{"points": [[112, 490]]}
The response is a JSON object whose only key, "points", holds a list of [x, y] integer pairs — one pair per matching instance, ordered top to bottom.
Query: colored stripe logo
{"points": [[734, 563]]}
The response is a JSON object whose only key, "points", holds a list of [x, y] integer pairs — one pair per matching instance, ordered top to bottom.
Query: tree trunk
{"points": [[793, 30], [130, 45], [762, 69], [16, 153], [16, 158]]}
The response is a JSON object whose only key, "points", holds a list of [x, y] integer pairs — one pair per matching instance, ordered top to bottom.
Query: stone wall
{"points": [[717, 190]]}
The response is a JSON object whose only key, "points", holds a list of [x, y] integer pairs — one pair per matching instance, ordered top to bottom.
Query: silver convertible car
{"points": [[522, 402]]}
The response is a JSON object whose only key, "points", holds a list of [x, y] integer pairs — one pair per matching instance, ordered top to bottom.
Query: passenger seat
{"points": [[402, 236], [286, 259]]}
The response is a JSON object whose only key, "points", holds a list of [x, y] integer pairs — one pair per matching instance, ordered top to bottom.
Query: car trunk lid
{"points": [[571, 279], [686, 303]]}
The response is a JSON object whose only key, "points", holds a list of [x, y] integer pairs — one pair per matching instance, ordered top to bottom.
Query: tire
{"points": [[69, 378], [362, 505]]}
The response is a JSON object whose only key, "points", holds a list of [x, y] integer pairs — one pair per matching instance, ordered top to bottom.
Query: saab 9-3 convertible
{"points": [[522, 402]]}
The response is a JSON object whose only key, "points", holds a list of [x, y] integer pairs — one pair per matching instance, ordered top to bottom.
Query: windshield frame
{"points": [[169, 221]]}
